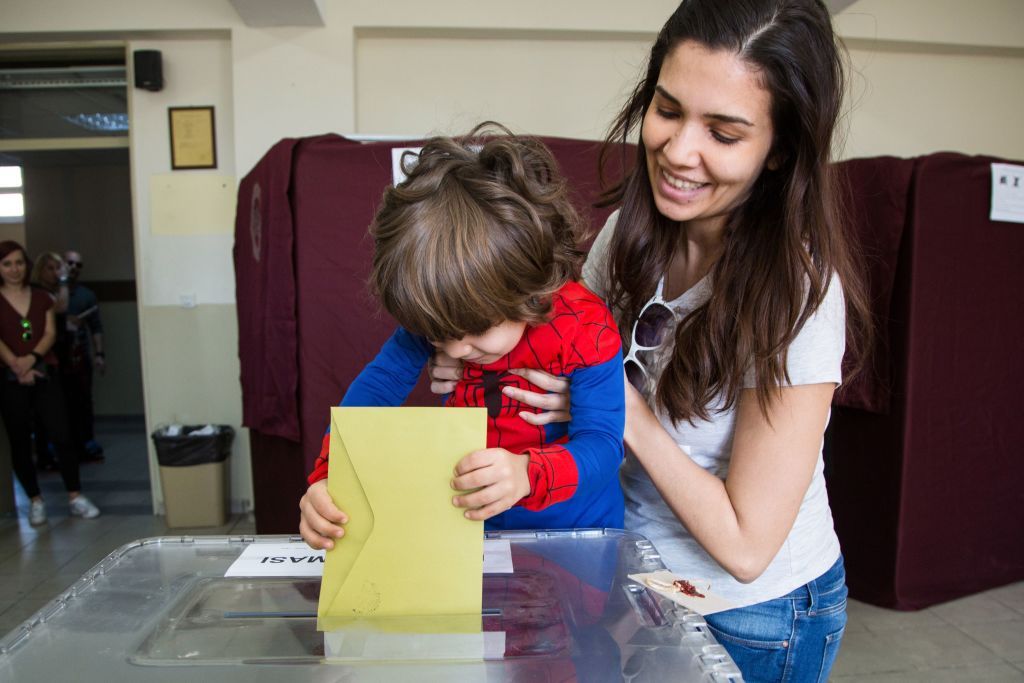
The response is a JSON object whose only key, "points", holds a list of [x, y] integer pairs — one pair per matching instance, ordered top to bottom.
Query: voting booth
{"points": [[923, 467], [163, 609]]}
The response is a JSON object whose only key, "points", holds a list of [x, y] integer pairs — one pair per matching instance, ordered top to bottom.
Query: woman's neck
{"points": [[700, 245], [8, 288]]}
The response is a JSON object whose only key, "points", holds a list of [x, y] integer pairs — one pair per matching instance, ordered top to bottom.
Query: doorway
{"points": [[64, 126]]}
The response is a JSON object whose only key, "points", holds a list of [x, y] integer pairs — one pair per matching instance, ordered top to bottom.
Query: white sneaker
{"points": [[83, 507], [37, 513]]}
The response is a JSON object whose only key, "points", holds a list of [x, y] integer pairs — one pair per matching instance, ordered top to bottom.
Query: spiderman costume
{"points": [[573, 466]]}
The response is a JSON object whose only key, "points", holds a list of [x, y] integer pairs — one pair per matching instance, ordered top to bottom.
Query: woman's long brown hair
{"points": [[783, 245]]}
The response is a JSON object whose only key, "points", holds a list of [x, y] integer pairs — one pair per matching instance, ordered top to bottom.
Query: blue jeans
{"points": [[792, 638]]}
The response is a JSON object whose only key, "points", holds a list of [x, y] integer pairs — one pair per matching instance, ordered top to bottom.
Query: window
{"points": [[12, 199]]}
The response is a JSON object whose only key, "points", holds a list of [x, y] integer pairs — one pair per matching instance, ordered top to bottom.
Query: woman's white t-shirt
{"points": [[811, 547]]}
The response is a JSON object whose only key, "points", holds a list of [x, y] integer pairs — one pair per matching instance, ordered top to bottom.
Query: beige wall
{"points": [[929, 75], [934, 75], [414, 82], [12, 231], [189, 355]]}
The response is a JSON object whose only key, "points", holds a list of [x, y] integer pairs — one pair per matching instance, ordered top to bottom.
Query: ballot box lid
{"points": [[162, 609]]}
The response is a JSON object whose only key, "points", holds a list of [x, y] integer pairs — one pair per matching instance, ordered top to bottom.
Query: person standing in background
{"points": [[50, 274], [83, 352], [27, 391]]}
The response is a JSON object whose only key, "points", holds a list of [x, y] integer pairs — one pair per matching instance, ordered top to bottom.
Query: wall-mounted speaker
{"points": [[149, 70]]}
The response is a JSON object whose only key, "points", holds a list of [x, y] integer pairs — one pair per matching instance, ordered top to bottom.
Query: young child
{"points": [[477, 254]]}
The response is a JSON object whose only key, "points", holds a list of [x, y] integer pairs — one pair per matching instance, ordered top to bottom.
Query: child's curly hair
{"points": [[481, 232]]}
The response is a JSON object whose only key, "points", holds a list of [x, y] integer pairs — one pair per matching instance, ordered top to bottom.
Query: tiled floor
{"points": [[38, 563], [980, 638]]}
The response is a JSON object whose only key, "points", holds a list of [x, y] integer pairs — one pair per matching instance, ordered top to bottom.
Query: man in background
{"points": [[83, 352]]}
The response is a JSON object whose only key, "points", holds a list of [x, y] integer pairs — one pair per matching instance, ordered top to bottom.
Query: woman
{"points": [[726, 265], [49, 273], [27, 334]]}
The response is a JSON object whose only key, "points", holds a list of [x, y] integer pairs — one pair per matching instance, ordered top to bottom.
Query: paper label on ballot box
{"points": [[278, 559], [298, 559]]}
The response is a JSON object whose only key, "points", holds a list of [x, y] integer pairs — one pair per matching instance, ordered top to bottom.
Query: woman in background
{"points": [[50, 274], [27, 391]]}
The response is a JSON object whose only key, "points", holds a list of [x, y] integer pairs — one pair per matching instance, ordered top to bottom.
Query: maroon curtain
{"points": [[876, 194], [927, 494]]}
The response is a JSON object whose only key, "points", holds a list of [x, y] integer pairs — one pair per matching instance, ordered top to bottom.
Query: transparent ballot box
{"points": [[161, 609]]}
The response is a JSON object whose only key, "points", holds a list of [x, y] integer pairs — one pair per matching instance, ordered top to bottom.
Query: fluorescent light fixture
{"points": [[100, 122]]}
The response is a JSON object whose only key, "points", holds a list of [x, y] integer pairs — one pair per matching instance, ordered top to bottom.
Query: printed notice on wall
{"points": [[402, 159], [1007, 193]]}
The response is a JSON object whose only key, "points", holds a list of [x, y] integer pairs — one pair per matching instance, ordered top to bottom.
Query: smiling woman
{"points": [[707, 133], [728, 219], [733, 287], [27, 391]]}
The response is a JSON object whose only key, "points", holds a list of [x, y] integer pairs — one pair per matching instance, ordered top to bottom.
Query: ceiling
{"points": [[270, 13]]}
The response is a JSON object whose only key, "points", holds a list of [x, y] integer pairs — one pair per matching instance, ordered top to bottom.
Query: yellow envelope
{"points": [[409, 561]]}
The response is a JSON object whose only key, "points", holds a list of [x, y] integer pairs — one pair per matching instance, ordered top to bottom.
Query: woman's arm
{"points": [[60, 299], [7, 356], [19, 365], [743, 521]]}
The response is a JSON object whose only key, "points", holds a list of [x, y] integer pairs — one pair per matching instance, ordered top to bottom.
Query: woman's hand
{"points": [[22, 365], [444, 371], [29, 378], [555, 404], [496, 479], [320, 519]]}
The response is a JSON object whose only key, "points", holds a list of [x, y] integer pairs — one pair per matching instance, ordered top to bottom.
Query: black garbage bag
{"points": [[188, 447]]}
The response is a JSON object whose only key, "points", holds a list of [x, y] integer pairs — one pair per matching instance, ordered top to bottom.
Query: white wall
{"points": [[197, 72], [928, 75], [934, 75], [411, 83], [189, 355]]}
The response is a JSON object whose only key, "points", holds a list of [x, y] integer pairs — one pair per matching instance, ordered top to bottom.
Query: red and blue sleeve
{"points": [[591, 357], [386, 381], [590, 458]]}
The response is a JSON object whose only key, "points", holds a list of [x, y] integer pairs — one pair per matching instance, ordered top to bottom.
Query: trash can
{"points": [[194, 473]]}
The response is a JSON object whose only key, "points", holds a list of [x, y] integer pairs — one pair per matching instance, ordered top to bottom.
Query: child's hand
{"points": [[501, 477], [320, 519]]}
